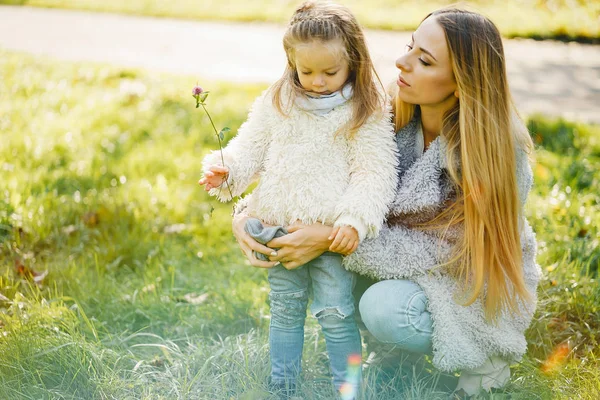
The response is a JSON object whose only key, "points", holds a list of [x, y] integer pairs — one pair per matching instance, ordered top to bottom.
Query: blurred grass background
{"points": [[541, 19], [120, 278]]}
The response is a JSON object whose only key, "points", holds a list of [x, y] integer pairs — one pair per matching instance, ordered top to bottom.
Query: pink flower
{"points": [[197, 91], [200, 96]]}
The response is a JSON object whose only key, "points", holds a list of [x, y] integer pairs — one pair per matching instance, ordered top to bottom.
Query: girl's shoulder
{"points": [[263, 105]]}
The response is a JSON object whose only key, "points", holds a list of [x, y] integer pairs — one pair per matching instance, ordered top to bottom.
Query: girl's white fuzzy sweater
{"points": [[307, 172]]}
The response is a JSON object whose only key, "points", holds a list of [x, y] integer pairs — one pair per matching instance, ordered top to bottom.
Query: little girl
{"points": [[321, 142]]}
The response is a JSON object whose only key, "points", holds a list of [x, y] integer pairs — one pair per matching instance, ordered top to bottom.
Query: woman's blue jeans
{"points": [[332, 305], [395, 312]]}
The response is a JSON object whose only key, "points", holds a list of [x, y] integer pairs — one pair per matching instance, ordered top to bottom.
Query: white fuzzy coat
{"points": [[308, 173], [462, 339]]}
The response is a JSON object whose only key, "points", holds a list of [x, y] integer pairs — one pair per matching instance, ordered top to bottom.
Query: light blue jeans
{"points": [[332, 305], [395, 312]]}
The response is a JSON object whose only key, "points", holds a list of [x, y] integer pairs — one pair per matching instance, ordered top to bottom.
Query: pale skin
{"points": [[321, 66], [322, 69], [426, 77], [432, 87], [214, 177]]}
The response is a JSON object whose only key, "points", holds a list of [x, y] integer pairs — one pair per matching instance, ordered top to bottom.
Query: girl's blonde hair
{"points": [[324, 22], [482, 131]]}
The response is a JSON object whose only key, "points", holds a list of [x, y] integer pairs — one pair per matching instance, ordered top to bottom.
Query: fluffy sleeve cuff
{"points": [[225, 192], [354, 222]]}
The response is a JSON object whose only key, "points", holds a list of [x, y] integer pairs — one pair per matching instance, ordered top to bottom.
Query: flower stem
{"points": [[220, 145]]}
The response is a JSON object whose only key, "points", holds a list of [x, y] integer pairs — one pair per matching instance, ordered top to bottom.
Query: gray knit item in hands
{"points": [[262, 234]]}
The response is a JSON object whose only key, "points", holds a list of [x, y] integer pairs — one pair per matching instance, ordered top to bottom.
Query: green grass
{"points": [[542, 19], [146, 294]]}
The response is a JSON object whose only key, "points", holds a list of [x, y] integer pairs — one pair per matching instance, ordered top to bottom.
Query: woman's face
{"points": [[426, 76]]}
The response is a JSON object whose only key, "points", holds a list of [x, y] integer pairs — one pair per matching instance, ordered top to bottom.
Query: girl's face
{"points": [[321, 66], [426, 76]]}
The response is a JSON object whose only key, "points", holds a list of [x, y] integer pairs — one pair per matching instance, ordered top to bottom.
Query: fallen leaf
{"points": [[91, 218], [67, 230], [22, 233], [22, 269], [29, 273], [40, 276], [149, 288], [194, 298], [157, 361]]}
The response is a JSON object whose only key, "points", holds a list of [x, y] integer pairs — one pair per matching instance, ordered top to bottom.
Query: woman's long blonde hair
{"points": [[325, 22], [482, 133]]}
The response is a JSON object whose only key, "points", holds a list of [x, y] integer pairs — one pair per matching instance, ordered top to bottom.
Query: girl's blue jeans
{"points": [[332, 305], [395, 312]]}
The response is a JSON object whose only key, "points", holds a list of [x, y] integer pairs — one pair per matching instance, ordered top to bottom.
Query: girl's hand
{"points": [[214, 177], [345, 240], [304, 243], [247, 244]]}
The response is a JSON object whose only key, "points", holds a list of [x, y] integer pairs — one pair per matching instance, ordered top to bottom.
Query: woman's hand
{"points": [[304, 243], [247, 244]]}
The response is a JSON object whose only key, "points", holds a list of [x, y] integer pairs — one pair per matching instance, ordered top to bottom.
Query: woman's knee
{"points": [[386, 299], [395, 311]]}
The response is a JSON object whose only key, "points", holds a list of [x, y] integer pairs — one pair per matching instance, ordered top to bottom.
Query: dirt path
{"points": [[548, 77]]}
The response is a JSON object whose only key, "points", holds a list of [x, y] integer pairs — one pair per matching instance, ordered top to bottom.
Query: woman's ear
{"points": [[456, 93]]}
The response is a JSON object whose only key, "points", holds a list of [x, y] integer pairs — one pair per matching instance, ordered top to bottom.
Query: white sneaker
{"points": [[494, 373]]}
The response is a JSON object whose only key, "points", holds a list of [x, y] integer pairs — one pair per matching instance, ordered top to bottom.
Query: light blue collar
{"points": [[321, 105]]}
